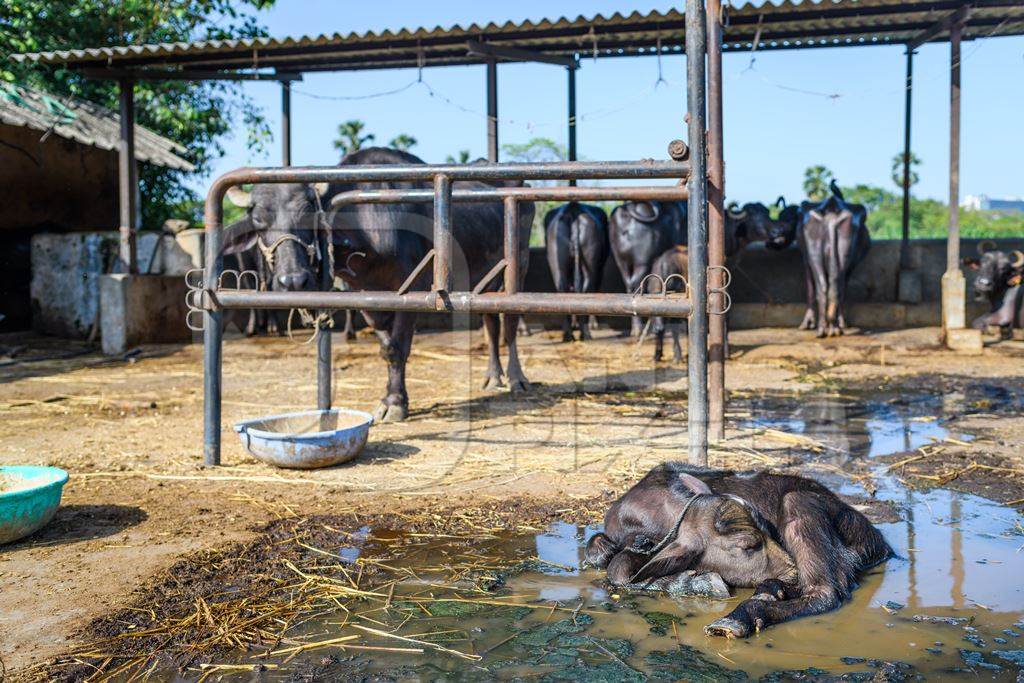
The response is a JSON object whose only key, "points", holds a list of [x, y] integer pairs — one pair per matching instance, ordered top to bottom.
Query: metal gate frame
{"points": [[213, 298]]}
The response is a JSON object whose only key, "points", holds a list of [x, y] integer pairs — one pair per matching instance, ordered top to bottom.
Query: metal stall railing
{"points": [[212, 297]]}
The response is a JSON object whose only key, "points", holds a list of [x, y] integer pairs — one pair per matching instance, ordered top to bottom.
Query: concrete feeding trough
{"points": [[308, 439]]}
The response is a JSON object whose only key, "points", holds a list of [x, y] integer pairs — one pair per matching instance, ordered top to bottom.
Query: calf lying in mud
{"points": [[791, 539]]}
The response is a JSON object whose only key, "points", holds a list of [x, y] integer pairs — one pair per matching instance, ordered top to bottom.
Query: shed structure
{"points": [[752, 26]]}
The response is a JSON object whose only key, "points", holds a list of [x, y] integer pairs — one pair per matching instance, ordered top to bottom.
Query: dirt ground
{"points": [[129, 432]]}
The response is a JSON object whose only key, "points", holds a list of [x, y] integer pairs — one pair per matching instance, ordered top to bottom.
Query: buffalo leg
{"points": [[632, 285], [808, 322], [567, 323], [659, 339], [394, 348], [677, 351], [495, 375], [516, 379], [826, 570]]}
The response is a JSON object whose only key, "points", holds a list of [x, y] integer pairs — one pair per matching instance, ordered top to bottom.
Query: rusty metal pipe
{"points": [[554, 170], [665, 193], [442, 233], [511, 245], [547, 303], [717, 333]]}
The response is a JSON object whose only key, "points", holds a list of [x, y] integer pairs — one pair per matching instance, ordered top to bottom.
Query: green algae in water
{"points": [[661, 622]]}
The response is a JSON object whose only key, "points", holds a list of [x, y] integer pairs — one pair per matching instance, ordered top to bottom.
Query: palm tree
{"points": [[351, 138], [402, 142], [461, 158], [897, 169], [816, 180]]}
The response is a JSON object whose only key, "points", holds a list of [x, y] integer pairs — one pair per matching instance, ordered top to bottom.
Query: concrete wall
{"points": [[66, 272], [768, 289]]}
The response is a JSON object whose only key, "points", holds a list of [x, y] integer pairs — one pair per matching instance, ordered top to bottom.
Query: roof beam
{"points": [[939, 27], [515, 54], [186, 75]]}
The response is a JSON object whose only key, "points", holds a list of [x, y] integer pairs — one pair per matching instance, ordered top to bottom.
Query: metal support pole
{"points": [[492, 111], [572, 117], [286, 123], [127, 179], [697, 231], [442, 233], [905, 236], [953, 241], [511, 245], [954, 287], [213, 333], [717, 333], [323, 342]]}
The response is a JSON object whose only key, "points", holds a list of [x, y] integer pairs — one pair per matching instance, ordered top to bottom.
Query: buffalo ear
{"points": [[239, 236], [695, 485], [600, 550], [677, 556]]}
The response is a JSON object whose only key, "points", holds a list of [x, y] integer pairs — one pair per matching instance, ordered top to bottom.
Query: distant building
{"points": [[982, 202]]}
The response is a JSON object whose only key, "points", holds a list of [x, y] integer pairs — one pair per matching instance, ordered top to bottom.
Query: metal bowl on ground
{"points": [[308, 439], [29, 498]]}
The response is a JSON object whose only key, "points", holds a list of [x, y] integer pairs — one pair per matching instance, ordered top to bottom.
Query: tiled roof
{"points": [[84, 122]]}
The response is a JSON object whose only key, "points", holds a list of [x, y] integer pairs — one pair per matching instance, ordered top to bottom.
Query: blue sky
{"points": [[773, 131]]}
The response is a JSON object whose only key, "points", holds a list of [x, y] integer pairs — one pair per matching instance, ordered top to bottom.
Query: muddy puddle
{"points": [[486, 607]]}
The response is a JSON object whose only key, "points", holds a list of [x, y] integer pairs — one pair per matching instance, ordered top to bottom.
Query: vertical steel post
{"points": [[492, 111], [572, 117], [286, 123], [127, 179], [697, 231], [442, 233], [905, 236], [953, 241], [511, 245], [954, 286], [213, 333], [717, 334]]}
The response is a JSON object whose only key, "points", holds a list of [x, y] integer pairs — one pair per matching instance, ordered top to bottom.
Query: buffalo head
{"points": [[282, 221], [996, 271], [708, 532]]}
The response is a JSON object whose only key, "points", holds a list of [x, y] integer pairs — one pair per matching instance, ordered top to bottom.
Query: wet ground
{"points": [[951, 606]]}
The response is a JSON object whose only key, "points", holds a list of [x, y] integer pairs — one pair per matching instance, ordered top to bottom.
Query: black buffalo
{"points": [[643, 231], [639, 233], [833, 238], [576, 240], [376, 247], [672, 270], [998, 281], [798, 545]]}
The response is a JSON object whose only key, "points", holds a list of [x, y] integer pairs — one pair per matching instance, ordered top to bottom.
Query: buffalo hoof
{"points": [[808, 322], [593, 324], [567, 337], [494, 383], [518, 386], [390, 413], [727, 627]]}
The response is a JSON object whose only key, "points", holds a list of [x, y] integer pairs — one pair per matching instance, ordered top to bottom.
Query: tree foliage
{"points": [[197, 115], [351, 136], [403, 142], [534, 150], [462, 157], [897, 169], [816, 180]]}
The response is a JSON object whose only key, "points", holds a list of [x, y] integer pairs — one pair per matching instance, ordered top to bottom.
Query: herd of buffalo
{"points": [[378, 246], [798, 545]]}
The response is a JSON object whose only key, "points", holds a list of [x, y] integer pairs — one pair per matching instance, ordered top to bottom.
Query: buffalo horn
{"points": [[239, 197], [984, 246], [1017, 258]]}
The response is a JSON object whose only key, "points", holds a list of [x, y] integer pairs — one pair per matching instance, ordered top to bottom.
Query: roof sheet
{"points": [[783, 25], [83, 122]]}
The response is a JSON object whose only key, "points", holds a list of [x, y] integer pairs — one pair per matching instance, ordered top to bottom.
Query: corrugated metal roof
{"points": [[782, 25], [84, 122]]}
